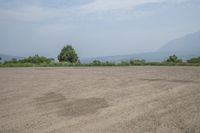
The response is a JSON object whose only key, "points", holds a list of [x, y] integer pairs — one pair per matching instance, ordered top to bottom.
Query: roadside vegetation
{"points": [[69, 57]]}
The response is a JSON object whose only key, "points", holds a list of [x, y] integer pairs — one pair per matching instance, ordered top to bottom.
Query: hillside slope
{"points": [[185, 47], [5, 57]]}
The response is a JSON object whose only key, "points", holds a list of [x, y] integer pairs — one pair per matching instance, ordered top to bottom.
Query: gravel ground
{"points": [[100, 100]]}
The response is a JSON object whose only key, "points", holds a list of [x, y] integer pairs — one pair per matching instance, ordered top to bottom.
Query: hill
{"points": [[185, 47], [5, 57]]}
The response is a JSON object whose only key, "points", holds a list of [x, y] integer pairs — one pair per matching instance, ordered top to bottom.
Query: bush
{"points": [[35, 60], [194, 60], [30, 61], [137, 62], [96, 63], [107, 63], [124, 63], [154, 63], [17, 65]]}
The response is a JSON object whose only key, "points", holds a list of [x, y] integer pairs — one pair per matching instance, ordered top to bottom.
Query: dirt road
{"points": [[100, 100]]}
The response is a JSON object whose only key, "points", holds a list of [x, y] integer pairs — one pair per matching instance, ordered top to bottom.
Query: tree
{"points": [[68, 54], [173, 59]]}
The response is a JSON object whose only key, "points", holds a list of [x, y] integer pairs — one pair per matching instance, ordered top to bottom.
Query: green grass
{"points": [[65, 64]]}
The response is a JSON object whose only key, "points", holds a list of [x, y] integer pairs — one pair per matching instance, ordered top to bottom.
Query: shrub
{"points": [[30, 60], [35, 60], [194, 60], [137, 62], [96, 63], [107, 63], [124, 63], [154, 63], [17, 65]]}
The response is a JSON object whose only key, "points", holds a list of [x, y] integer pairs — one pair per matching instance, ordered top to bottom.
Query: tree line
{"points": [[69, 57]]}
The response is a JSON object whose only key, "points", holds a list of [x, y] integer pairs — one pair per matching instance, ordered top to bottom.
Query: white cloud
{"points": [[110, 5], [28, 13], [35, 13]]}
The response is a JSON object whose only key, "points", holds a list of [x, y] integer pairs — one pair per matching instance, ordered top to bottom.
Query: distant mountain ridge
{"points": [[189, 44], [184, 47], [5, 57]]}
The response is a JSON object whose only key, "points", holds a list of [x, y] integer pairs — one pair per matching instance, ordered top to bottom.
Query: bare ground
{"points": [[100, 100]]}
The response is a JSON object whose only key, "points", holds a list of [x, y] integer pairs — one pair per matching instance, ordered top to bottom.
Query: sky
{"points": [[94, 27]]}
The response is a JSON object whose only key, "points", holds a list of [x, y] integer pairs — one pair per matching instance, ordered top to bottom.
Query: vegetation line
{"points": [[69, 57]]}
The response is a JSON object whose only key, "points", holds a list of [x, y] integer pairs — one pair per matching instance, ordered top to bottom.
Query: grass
{"points": [[65, 64]]}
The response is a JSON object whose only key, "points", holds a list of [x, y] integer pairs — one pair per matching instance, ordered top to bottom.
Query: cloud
{"points": [[105, 5], [35, 11], [28, 13]]}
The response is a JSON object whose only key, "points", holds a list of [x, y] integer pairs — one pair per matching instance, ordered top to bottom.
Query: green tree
{"points": [[68, 54], [173, 59]]}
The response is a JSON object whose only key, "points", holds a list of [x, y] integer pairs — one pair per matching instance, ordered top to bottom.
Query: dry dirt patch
{"points": [[172, 80], [59, 104]]}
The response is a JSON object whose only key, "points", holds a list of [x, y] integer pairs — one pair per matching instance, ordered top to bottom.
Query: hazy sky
{"points": [[94, 27]]}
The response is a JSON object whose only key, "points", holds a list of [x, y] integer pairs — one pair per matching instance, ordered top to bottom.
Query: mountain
{"points": [[184, 47], [151, 56], [5, 57]]}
